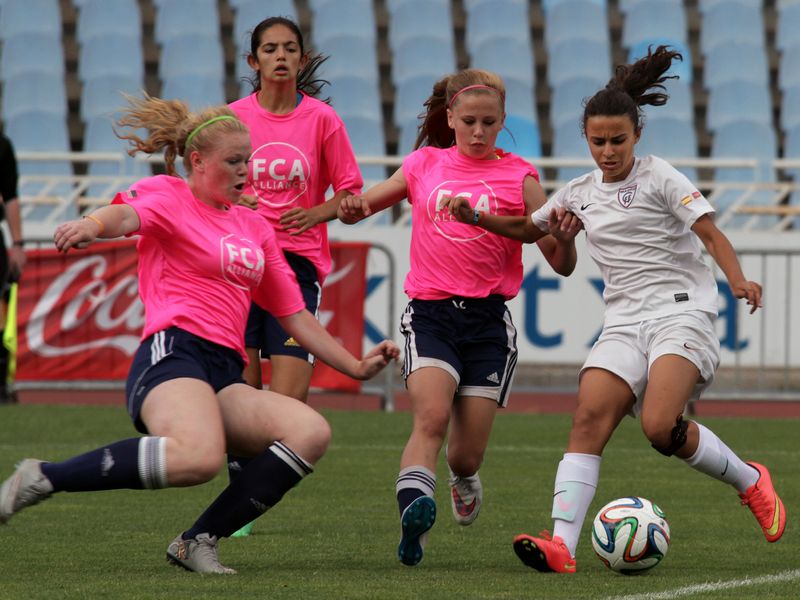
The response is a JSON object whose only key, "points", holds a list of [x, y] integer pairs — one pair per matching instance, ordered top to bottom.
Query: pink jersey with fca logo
{"points": [[296, 158], [449, 258], [200, 267]]}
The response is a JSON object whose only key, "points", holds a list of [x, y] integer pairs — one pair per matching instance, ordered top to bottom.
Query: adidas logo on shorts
{"points": [[493, 378]]}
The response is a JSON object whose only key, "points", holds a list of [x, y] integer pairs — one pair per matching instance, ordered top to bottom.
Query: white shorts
{"points": [[629, 351]]}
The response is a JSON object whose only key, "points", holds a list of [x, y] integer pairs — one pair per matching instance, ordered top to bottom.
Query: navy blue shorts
{"points": [[265, 332], [473, 339], [174, 353]]}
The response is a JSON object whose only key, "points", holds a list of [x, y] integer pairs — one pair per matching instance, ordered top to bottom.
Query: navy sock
{"points": [[237, 464], [110, 467], [258, 487], [406, 497]]}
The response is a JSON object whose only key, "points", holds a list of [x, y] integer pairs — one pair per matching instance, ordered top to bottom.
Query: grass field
{"points": [[335, 536]]}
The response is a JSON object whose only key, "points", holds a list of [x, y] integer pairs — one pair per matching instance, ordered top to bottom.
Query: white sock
{"points": [[714, 458], [576, 482]]}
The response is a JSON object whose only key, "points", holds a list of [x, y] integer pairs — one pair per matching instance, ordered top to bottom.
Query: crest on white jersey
{"points": [[625, 195]]}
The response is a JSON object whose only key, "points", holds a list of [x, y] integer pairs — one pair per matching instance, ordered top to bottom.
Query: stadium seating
{"points": [[548, 5], [704, 5], [250, 13], [30, 16], [108, 17], [412, 18], [496, 18], [185, 19], [331, 19], [576, 19], [653, 20], [731, 22], [787, 26], [29, 52], [192, 54], [107, 55], [349, 55], [423, 55], [508, 57], [578, 58], [736, 61], [683, 68], [788, 73], [196, 89], [43, 92], [352, 95], [103, 96], [409, 97], [520, 99], [566, 101], [738, 101], [679, 105], [790, 108], [408, 136], [520, 136], [100, 137], [366, 137], [669, 138], [569, 142], [792, 150]]}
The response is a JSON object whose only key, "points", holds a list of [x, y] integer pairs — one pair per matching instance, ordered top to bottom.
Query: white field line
{"points": [[716, 586]]}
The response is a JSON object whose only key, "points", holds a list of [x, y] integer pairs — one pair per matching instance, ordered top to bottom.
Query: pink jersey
{"points": [[296, 158], [449, 258], [200, 267]]}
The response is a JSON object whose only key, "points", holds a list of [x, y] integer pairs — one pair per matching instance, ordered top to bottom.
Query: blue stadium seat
{"points": [[548, 5], [626, 5], [705, 5], [250, 13], [30, 16], [109, 17], [187, 18], [412, 18], [496, 18], [331, 19], [576, 19], [654, 19], [731, 22], [787, 26], [29, 52], [106, 55], [192, 55], [350, 55], [423, 56], [508, 57], [578, 58], [736, 61], [683, 68], [788, 73], [197, 90], [25, 92], [353, 95], [103, 96], [410, 96], [520, 99], [738, 101], [566, 103], [680, 104], [790, 108], [36, 131], [99, 136], [408, 136], [520, 136], [366, 137], [669, 138], [745, 139], [569, 142], [792, 150]]}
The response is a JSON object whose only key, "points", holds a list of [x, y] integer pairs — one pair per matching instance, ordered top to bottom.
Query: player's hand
{"points": [[248, 201], [459, 207], [352, 209], [299, 219], [564, 225], [75, 234], [750, 290], [376, 359]]}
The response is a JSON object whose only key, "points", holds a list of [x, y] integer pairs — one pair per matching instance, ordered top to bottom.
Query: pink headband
{"points": [[479, 86]]}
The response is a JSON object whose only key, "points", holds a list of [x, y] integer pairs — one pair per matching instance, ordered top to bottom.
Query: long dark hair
{"points": [[307, 80], [633, 86], [434, 130]]}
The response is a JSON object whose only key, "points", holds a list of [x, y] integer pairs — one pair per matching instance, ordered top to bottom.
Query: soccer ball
{"points": [[630, 535]]}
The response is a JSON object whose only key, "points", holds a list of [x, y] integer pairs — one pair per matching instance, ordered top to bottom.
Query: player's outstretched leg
{"points": [[26, 487], [466, 496], [765, 504], [415, 522], [198, 554], [546, 554]]}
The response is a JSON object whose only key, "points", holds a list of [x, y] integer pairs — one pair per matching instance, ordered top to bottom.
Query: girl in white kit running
{"points": [[658, 349]]}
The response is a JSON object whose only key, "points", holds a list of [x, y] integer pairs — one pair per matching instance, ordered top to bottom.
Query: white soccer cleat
{"points": [[26, 487], [466, 496], [198, 554]]}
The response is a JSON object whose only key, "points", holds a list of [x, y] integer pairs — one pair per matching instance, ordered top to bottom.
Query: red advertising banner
{"points": [[80, 317]]}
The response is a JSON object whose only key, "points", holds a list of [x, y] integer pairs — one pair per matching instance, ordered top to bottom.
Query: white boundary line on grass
{"points": [[713, 587]]}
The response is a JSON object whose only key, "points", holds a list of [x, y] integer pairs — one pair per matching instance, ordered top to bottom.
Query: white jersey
{"points": [[638, 232]]}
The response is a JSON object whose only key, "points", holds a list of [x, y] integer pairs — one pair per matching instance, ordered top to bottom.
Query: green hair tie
{"points": [[194, 132]]}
